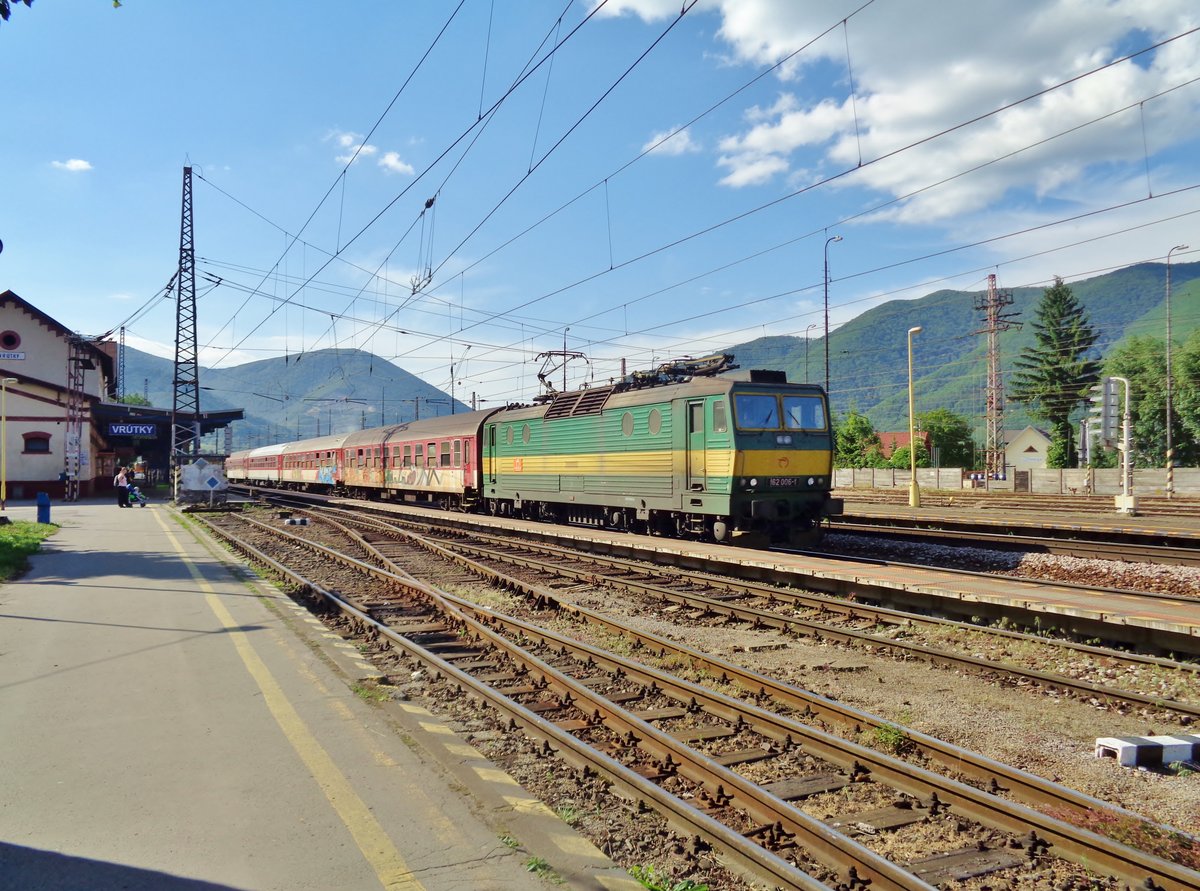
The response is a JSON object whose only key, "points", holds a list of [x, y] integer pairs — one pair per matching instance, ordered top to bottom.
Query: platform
{"points": [[168, 721]]}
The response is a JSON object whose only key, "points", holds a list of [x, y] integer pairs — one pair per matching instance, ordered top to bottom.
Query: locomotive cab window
{"points": [[756, 412], [804, 412], [720, 418]]}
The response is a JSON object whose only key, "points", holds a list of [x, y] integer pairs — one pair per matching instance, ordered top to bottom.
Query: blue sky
{"points": [[941, 141]]}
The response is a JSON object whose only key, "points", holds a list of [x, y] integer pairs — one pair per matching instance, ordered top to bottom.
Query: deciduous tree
{"points": [[950, 434], [856, 443]]}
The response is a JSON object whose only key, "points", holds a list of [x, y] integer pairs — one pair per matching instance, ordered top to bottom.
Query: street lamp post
{"points": [[832, 238], [806, 330], [4, 382], [1170, 450], [914, 491]]}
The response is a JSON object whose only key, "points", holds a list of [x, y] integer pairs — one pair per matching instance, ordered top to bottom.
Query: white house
{"points": [[35, 353], [1026, 449]]}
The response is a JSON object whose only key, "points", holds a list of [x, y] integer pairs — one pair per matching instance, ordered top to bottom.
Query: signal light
{"points": [[1105, 411]]}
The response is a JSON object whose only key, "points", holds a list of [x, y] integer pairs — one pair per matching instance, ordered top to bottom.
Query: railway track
{"points": [[910, 588], [761, 606], [669, 743]]}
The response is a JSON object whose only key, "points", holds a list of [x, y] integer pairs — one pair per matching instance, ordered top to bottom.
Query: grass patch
{"points": [[17, 542], [370, 693], [1140, 834], [648, 877]]}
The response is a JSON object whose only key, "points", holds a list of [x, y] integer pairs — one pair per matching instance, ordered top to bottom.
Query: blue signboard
{"points": [[132, 429]]}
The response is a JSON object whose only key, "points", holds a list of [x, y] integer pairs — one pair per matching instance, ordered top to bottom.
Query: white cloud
{"points": [[922, 67], [665, 143], [355, 150], [392, 163], [74, 165]]}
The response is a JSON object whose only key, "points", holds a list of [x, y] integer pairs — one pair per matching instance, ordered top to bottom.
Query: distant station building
{"points": [[54, 382]]}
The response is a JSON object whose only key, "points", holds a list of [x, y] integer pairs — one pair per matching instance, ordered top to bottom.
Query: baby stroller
{"points": [[136, 497]]}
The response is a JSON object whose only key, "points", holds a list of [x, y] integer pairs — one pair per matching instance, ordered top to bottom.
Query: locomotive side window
{"points": [[756, 412], [804, 412], [720, 417], [654, 422], [627, 423], [525, 434], [508, 435]]}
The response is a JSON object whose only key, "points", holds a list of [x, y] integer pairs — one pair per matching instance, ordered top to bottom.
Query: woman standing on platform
{"points": [[121, 484]]}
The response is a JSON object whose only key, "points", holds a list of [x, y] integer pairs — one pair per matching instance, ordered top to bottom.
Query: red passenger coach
{"points": [[435, 461]]}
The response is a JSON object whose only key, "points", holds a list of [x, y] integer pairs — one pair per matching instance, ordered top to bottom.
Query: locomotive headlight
{"points": [[784, 439], [811, 480], [753, 482]]}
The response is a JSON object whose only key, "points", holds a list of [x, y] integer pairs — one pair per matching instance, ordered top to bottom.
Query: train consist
{"points": [[680, 451]]}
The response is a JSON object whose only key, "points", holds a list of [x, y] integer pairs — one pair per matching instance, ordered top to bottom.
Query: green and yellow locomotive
{"points": [[679, 451]]}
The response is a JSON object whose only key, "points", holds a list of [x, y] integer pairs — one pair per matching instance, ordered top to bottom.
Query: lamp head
{"points": [[837, 238], [916, 329]]}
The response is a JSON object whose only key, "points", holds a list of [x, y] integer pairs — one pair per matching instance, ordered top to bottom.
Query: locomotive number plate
{"points": [[785, 481]]}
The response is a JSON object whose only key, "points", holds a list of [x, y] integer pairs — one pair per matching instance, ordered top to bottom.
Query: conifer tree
{"points": [[1055, 374]]}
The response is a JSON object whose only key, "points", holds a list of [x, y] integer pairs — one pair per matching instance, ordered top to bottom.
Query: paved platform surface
{"points": [[167, 721]]}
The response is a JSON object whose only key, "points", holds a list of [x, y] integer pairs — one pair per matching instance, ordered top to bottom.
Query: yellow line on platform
{"points": [[372, 840]]}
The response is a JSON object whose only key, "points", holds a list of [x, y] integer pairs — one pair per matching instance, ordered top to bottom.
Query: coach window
{"points": [[720, 418], [627, 423], [458, 453], [419, 454], [432, 454], [444, 454], [408, 456], [362, 461], [377, 463]]}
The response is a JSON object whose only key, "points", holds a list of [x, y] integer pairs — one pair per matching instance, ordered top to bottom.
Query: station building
{"points": [[49, 376]]}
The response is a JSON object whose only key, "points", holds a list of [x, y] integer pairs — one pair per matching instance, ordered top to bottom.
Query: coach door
{"points": [[695, 446], [490, 461]]}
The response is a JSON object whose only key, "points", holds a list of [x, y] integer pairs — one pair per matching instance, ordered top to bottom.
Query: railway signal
{"points": [[1105, 412]]}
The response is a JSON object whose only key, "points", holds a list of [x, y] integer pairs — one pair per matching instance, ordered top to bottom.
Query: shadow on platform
{"points": [[31, 869]]}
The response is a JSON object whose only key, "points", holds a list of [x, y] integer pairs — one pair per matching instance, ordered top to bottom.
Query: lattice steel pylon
{"points": [[994, 322], [77, 365], [185, 409]]}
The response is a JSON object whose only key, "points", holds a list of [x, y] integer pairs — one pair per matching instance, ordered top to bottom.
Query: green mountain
{"points": [[869, 355], [341, 390], [297, 397]]}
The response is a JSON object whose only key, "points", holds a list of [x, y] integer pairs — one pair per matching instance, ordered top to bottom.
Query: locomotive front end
{"points": [[783, 461]]}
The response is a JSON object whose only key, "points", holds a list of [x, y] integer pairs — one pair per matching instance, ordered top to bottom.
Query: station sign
{"points": [[115, 429]]}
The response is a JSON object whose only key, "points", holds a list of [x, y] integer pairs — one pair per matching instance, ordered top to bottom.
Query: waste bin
{"points": [[43, 507]]}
